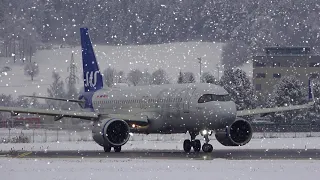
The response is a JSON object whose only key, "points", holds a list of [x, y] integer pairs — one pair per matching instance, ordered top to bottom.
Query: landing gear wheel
{"points": [[187, 145], [196, 145], [107, 148], [117, 148], [207, 148]]}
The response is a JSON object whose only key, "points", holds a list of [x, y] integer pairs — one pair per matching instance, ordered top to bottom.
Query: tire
{"points": [[187, 145], [197, 145], [107, 148], [207, 148], [117, 149]]}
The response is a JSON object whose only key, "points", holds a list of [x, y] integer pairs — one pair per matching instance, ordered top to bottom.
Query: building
{"points": [[277, 62]]}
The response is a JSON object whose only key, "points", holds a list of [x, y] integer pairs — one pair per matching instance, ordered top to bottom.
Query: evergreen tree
{"points": [[159, 77], [188, 77], [207, 77], [180, 78], [238, 85], [288, 91]]}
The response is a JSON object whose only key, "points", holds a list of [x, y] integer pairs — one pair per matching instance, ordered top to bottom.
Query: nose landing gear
{"points": [[206, 147]]}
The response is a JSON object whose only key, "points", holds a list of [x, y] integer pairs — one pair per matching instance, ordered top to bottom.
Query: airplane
{"points": [[197, 108]]}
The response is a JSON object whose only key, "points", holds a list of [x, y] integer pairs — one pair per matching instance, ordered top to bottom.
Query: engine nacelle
{"points": [[112, 131], [238, 133]]}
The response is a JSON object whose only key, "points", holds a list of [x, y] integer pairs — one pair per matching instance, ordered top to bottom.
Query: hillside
{"points": [[172, 57]]}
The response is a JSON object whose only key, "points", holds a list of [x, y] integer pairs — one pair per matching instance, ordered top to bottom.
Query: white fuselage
{"points": [[171, 108]]}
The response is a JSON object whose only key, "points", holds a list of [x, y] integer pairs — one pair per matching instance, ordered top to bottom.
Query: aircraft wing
{"points": [[58, 99], [272, 110], [57, 113], [141, 120]]}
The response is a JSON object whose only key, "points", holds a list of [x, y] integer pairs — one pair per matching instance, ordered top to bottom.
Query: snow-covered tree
{"points": [[32, 70], [110, 75], [135, 76], [121, 77], [159, 77], [188, 77], [207, 77], [146, 78], [180, 78], [238, 85], [56, 89], [288, 91], [22, 102], [33, 102], [314, 113]]}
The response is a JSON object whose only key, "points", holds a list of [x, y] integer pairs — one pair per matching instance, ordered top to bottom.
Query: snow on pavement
{"points": [[136, 169]]}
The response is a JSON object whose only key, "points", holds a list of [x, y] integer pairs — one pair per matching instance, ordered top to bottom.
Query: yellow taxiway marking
{"points": [[24, 154]]}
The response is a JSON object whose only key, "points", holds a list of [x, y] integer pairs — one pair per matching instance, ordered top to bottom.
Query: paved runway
{"points": [[233, 154]]}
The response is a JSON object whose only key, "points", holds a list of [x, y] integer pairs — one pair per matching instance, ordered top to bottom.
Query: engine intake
{"points": [[112, 131], [238, 133]]}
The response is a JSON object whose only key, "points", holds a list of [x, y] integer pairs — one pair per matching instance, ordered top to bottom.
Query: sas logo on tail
{"points": [[90, 78]]}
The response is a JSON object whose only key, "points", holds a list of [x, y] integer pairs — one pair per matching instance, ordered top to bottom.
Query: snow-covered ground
{"points": [[172, 57], [44, 135], [267, 143], [135, 169]]}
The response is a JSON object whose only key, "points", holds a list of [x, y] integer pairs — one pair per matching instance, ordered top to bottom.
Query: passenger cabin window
{"points": [[212, 97]]}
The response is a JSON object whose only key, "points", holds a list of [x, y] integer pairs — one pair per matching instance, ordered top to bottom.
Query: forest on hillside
{"points": [[246, 25]]}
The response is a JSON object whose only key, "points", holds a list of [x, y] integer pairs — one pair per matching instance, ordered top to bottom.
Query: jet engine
{"points": [[112, 131], [238, 133]]}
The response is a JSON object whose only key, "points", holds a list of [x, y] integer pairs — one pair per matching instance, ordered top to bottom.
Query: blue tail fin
{"points": [[92, 77]]}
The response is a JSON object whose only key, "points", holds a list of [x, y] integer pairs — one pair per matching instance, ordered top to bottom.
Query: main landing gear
{"points": [[193, 143], [196, 144], [107, 148]]}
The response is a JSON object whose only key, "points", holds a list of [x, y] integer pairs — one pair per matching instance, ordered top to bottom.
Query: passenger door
{"points": [[186, 100]]}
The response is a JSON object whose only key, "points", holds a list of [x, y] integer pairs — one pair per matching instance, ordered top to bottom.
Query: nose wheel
{"points": [[206, 147]]}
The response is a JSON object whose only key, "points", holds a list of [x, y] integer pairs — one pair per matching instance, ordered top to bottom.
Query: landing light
{"points": [[133, 125], [206, 132]]}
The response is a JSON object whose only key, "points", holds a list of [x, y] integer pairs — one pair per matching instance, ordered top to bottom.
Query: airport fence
{"points": [[76, 133]]}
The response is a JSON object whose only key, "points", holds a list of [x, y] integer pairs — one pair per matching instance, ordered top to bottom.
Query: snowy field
{"points": [[172, 57], [266, 143], [135, 169]]}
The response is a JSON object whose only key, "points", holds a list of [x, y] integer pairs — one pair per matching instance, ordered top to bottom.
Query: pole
{"points": [[30, 53], [200, 62]]}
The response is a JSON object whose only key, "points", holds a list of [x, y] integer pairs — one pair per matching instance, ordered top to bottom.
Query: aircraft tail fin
{"points": [[92, 77]]}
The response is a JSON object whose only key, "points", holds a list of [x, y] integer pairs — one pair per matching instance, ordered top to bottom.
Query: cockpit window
{"points": [[212, 97]]}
